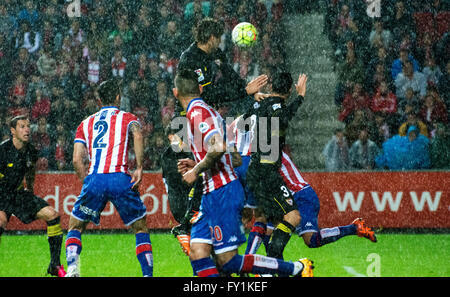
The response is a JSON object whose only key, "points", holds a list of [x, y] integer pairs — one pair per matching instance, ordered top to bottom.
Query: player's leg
{"points": [[89, 205], [309, 207], [132, 211], [3, 223], [257, 234], [54, 237], [73, 246], [201, 247], [144, 251], [232, 262]]}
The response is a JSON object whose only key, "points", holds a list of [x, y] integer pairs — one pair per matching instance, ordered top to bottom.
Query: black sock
{"points": [[55, 238], [279, 240]]}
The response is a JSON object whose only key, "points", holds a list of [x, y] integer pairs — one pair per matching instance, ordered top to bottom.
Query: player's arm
{"points": [[293, 106], [138, 141], [216, 149], [79, 155], [236, 158], [30, 177]]}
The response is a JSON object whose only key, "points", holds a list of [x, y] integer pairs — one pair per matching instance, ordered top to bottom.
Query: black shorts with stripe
{"points": [[271, 193], [23, 204]]}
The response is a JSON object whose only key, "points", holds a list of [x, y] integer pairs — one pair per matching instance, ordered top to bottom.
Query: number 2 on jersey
{"points": [[102, 128]]}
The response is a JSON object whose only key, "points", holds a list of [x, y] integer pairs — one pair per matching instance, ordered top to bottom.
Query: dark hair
{"points": [[207, 27], [186, 82], [282, 82], [108, 90], [14, 120]]}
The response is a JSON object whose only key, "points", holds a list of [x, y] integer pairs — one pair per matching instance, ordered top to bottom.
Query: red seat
{"points": [[424, 24]]}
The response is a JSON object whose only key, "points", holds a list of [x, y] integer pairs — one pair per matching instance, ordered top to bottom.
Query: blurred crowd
{"points": [[51, 63], [393, 85]]}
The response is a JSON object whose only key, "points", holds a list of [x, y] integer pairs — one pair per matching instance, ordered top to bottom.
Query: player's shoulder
{"points": [[270, 104]]}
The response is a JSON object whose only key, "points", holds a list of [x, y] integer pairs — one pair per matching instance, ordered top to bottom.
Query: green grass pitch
{"points": [[113, 255]]}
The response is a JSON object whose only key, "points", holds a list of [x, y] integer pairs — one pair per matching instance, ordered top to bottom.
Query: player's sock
{"points": [[329, 235], [255, 237], [55, 238], [279, 240], [73, 250], [144, 253], [258, 264], [204, 267]]}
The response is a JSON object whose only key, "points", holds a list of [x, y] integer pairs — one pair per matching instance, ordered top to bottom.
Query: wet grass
{"points": [[113, 255]]}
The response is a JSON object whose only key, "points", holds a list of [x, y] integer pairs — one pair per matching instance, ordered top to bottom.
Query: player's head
{"points": [[209, 31], [282, 83], [186, 85], [109, 92], [20, 128]]}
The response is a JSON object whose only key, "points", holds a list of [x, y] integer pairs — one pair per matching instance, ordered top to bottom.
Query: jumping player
{"points": [[219, 80], [103, 137], [17, 163], [272, 195], [218, 225]]}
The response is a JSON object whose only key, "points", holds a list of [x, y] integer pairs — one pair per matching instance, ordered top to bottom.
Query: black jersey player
{"points": [[17, 164]]}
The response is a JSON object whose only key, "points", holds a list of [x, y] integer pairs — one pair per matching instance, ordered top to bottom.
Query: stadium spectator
{"points": [[29, 14], [400, 21], [380, 37], [28, 38], [171, 40], [46, 64], [118, 65], [397, 65], [350, 71], [432, 71], [410, 79], [444, 86], [355, 100], [384, 100], [409, 102], [41, 106], [433, 111], [412, 119], [383, 129], [41, 139], [440, 148], [336, 152], [362, 152], [405, 152]]}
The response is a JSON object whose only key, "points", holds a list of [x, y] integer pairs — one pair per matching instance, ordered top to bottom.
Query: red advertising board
{"points": [[384, 199]]}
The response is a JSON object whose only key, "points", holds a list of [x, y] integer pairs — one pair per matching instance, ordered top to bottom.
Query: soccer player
{"points": [[219, 80], [103, 137], [17, 163], [184, 200], [274, 200], [309, 206], [218, 226]]}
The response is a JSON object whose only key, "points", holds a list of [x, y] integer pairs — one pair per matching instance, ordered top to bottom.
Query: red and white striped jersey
{"points": [[204, 122], [105, 135], [240, 138], [291, 175]]}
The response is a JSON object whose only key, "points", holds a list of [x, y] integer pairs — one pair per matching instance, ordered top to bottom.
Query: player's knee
{"points": [[293, 218], [312, 240]]}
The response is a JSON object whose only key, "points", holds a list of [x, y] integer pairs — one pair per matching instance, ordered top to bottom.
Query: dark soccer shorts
{"points": [[272, 195], [23, 204]]}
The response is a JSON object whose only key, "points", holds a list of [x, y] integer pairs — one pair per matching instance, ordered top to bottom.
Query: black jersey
{"points": [[220, 82], [270, 120], [15, 164], [178, 191]]}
